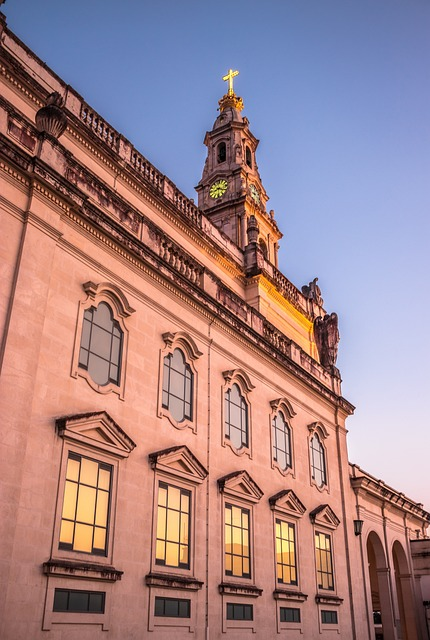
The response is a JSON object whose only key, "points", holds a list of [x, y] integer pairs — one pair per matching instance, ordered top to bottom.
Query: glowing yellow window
{"points": [[85, 514], [173, 526]]}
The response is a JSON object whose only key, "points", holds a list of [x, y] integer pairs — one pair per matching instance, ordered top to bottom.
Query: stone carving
{"points": [[51, 118], [252, 229], [313, 292], [327, 339]]}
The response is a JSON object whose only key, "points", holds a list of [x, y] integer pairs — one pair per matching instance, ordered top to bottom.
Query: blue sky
{"points": [[338, 92]]}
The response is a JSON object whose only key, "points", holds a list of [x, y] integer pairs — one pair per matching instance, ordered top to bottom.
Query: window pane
{"points": [[101, 343], [177, 385], [73, 467], [104, 479], [70, 498], [86, 504], [66, 532], [83, 538], [99, 538], [172, 544], [61, 599], [78, 601], [96, 603]]}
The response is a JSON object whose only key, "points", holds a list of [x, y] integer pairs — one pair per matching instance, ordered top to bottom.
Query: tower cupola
{"points": [[231, 190]]}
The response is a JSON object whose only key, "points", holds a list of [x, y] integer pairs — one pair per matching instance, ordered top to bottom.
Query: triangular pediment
{"points": [[96, 430], [179, 462], [239, 484], [287, 502], [324, 516]]}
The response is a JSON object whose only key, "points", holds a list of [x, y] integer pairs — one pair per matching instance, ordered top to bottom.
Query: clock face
{"points": [[218, 188], [255, 194]]}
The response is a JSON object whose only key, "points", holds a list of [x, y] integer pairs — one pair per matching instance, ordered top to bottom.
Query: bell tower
{"points": [[231, 191]]}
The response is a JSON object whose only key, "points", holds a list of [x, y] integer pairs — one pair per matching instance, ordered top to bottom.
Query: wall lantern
{"points": [[358, 527]]}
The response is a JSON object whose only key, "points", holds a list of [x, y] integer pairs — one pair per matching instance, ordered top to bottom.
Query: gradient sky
{"points": [[338, 93]]}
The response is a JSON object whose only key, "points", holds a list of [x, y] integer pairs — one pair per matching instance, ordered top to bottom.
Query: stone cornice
{"points": [[115, 226], [363, 482], [70, 569]]}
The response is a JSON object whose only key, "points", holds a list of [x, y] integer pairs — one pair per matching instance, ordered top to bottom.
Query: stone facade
{"points": [[174, 454]]}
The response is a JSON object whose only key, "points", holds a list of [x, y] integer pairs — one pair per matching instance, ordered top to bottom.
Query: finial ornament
{"points": [[229, 78], [230, 99]]}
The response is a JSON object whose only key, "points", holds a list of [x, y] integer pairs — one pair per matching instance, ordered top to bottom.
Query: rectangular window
{"points": [[85, 515], [173, 527], [237, 550], [285, 553], [324, 561], [79, 601], [172, 608], [239, 611], [290, 614], [329, 617]]}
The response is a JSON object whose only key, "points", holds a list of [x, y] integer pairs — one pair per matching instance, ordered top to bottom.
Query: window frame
{"points": [[111, 295], [190, 352], [241, 380], [282, 407], [317, 429], [97, 437], [164, 484], [81, 485], [243, 511], [281, 583], [320, 587]]}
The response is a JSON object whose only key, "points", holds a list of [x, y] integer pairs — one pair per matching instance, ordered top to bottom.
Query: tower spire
{"points": [[230, 99]]}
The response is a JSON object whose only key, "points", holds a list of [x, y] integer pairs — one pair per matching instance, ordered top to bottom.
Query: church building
{"points": [[174, 455]]}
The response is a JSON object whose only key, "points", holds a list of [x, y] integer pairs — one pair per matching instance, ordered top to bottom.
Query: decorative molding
{"points": [[113, 292], [184, 340], [240, 376], [284, 405], [320, 428], [96, 430], [179, 462], [239, 484], [287, 502], [324, 516], [86, 570], [172, 581], [228, 588], [290, 595], [328, 600]]}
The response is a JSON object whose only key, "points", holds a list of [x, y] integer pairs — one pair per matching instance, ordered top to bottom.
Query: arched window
{"points": [[221, 152], [248, 157], [101, 345], [177, 386], [236, 417], [281, 435], [318, 463]]}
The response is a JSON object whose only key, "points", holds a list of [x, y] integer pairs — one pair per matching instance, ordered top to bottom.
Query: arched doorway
{"points": [[379, 579], [405, 597]]}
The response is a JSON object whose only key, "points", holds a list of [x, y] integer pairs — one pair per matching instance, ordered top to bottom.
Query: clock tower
{"points": [[231, 192]]}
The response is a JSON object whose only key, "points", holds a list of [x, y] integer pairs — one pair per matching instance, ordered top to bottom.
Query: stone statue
{"points": [[313, 292], [327, 339]]}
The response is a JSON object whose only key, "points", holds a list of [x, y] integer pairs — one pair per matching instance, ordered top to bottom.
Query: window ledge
{"points": [[70, 569], [172, 581], [239, 589], [287, 594], [333, 600]]}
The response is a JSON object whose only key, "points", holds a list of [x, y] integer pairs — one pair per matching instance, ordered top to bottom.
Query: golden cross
{"points": [[230, 75]]}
